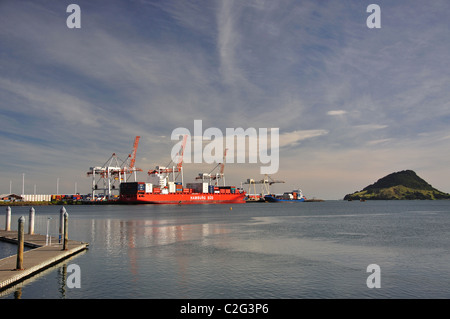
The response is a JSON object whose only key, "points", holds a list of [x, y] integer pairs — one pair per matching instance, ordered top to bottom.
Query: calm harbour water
{"points": [[270, 250]]}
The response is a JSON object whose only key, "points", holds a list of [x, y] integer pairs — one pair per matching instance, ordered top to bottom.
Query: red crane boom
{"points": [[133, 155]]}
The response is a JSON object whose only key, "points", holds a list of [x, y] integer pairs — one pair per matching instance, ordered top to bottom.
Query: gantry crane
{"points": [[128, 165], [113, 172], [162, 172], [215, 176], [265, 184]]}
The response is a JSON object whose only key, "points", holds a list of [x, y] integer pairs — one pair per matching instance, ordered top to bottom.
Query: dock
{"points": [[43, 255]]}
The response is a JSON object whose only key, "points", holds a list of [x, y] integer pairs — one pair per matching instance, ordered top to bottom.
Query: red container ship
{"points": [[160, 190], [145, 193]]}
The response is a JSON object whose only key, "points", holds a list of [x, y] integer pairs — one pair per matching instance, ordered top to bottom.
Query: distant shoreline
{"points": [[18, 203]]}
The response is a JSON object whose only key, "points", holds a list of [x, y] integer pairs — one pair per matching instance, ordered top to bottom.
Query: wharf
{"points": [[34, 260]]}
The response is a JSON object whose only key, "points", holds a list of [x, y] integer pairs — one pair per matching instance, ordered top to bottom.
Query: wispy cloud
{"points": [[336, 112], [295, 137]]}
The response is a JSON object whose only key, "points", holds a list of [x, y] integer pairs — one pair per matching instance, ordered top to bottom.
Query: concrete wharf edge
{"points": [[34, 260]]}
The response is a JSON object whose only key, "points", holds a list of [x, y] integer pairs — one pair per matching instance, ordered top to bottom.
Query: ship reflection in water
{"points": [[139, 235]]}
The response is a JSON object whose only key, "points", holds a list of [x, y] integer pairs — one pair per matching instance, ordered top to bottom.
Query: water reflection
{"points": [[118, 234], [130, 245], [298, 251], [44, 277], [62, 277], [18, 293]]}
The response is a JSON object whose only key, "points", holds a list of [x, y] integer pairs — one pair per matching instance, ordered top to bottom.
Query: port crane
{"points": [[128, 165], [113, 171], [162, 172], [105, 175], [215, 176], [266, 182]]}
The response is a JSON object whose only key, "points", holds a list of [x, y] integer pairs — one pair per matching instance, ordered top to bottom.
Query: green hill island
{"points": [[400, 185]]}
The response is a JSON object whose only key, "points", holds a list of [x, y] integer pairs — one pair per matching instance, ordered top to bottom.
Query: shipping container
{"points": [[196, 187]]}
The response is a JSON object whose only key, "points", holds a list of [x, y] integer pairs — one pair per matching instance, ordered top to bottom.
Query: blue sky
{"points": [[353, 104]]}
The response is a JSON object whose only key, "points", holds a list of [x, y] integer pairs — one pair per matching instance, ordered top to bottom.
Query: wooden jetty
{"points": [[43, 255]]}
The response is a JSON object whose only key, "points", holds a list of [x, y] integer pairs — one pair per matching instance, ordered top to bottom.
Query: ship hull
{"points": [[144, 193], [182, 199], [273, 199]]}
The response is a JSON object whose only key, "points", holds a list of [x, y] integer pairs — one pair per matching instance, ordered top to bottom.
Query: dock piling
{"points": [[8, 219], [31, 222], [61, 223], [66, 230], [46, 236], [20, 238], [14, 269]]}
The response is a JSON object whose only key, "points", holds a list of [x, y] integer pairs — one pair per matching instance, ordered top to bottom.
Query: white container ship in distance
{"points": [[294, 196]]}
